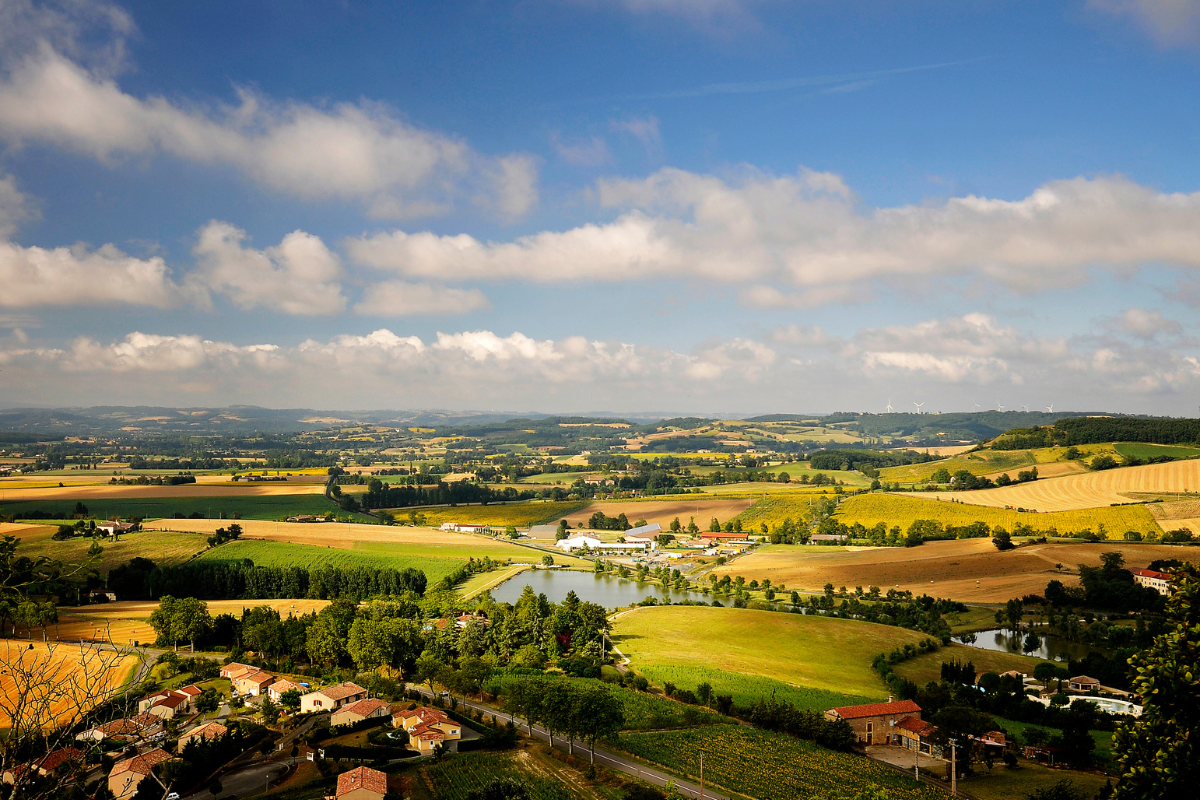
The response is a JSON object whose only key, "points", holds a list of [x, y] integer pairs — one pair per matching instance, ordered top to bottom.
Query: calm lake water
{"points": [[605, 590], [1052, 648]]}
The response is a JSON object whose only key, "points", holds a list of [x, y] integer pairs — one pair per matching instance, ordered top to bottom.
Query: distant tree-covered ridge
{"points": [[1094, 430]]}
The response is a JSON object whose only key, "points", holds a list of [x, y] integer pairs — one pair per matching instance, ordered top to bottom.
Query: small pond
{"points": [[606, 590], [1050, 647]]}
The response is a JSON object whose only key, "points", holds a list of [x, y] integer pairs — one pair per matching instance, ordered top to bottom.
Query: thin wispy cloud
{"points": [[850, 80]]}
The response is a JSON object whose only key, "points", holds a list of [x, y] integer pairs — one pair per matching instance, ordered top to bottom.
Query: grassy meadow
{"points": [[162, 547], [363, 554], [689, 644]]}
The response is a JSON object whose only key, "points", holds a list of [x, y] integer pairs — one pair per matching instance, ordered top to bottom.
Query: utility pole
{"points": [[917, 759], [953, 769], [701, 775]]}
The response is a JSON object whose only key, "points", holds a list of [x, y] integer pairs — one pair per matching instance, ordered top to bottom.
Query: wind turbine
{"points": [[889, 405], [918, 405], [974, 406], [999, 406], [1050, 408], [1026, 409]]}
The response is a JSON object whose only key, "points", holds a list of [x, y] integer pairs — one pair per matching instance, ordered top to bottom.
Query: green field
{"points": [[1142, 450], [247, 507], [902, 510], [521, 515], [162, 547], [285, 554], [807, 652], [928, 667], [762, 764], [1003, 783]]}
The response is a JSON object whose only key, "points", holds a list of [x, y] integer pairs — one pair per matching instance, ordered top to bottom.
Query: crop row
{"points": [[764, 764], [455, 778]]}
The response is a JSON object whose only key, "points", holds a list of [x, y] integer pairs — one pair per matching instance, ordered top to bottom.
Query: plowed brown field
{"points": [[1089, 490], [942, 569]]}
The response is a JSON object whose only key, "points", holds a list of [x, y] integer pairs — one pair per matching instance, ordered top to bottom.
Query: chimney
{"points": [[890, 698]]}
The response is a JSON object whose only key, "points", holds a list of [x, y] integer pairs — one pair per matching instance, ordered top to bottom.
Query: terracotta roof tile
{"points": [[878, 709], [362, 778]]}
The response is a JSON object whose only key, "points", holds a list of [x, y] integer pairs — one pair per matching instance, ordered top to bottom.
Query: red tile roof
{"points": [[1149, 573], [342, 690], [365, 708], [878, 709], [917, 726], [52, 760], [142, 764], [362, 778]]}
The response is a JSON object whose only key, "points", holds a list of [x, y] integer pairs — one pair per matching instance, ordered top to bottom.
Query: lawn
{"points": [[277, 506], [162, 547], [809, 652], [763, 765], [1006, 784]]}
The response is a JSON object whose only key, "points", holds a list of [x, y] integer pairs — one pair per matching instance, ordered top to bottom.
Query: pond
{"points": [[606, 590], [1050, 647]]}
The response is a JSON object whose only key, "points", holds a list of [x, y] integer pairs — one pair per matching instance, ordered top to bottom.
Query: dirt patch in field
{"points": [[226, 489], [663, 511], [328, 534], [971, 570]]}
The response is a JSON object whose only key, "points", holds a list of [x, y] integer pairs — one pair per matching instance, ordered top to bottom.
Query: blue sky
{"points": [[700, 206]]}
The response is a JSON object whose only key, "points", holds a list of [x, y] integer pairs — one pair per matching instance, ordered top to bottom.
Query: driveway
{"points": [[899, 757]]}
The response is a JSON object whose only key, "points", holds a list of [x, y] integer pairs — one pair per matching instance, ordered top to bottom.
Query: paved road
{"points": [[607, 758], [245, 782]]}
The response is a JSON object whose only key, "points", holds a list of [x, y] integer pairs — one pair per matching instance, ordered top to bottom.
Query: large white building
{"points": [[1158, 581]]}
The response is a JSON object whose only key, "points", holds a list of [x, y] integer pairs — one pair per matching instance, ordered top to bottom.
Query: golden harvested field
{"points": [[948, 451], [1054, 469], [1091, 489], [105, 490], [953, 509], [663, 511], [521, 515], [24, 531], [970, 570], [127, 622], [65, 671]]}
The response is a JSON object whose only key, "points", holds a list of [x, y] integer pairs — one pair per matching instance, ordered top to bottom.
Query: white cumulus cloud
{"points": [[403, 299]]}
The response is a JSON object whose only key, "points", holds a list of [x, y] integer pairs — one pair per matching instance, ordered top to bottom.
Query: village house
{"points": [[114, 528], [1158, 581], [233, 669], [1083, 683], [252, 684], [276, 690], [331, 698], [175, 699], [169, 706], [357, 712], [872, 723], [428, 727], [122, 730], [206, 732], [57, 758], [125, 775], [361, 783]]}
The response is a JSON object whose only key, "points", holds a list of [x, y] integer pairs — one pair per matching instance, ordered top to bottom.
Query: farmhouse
{"points": [[115, 528], [1158, 581], [1083, 683], [250, 684], [331, 698], [357, 712], [873, 723], [206, 732], [912, 733], [125, 775], [361, 783]]}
